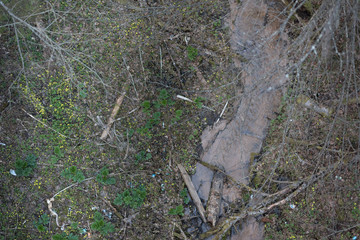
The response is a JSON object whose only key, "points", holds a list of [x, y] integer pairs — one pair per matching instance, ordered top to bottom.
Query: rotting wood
{"points": [[116, 109], [248, 188], [192, 192], [214, 202], [267, 204]]}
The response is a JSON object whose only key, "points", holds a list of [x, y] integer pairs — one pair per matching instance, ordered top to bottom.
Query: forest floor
{"points": [[57, 94]]}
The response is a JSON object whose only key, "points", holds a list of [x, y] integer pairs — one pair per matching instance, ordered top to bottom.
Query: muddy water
{"points": [[229, 145]]}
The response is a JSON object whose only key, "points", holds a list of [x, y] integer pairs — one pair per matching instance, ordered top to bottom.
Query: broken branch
{"points": [[111, 120], [192, 191]]}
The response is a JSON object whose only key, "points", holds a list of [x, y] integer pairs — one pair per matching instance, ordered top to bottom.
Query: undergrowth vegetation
{"points": [[66, 62], [62, 83]]}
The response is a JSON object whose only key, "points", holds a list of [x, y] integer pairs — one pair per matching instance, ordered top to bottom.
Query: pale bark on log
{"points": [[214, 202]]}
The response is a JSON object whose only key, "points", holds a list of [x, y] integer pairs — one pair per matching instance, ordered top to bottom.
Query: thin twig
{"points": [[18, 44], [222, 112], [46, 125], [127, 145], [72, 185]]}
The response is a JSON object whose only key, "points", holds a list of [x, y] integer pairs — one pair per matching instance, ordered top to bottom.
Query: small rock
{"points": [[12, 172]]}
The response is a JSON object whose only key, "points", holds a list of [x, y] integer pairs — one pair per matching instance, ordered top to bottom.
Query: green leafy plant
{"points": [[217, 23], [192, 53], [82, 90], [163, 99], [199, 102], [146, 105], [152, 109], [178, 114], [154, 120], [144, 131], [130, 133], [194, 133], [58, 152], [57, 155], [143, 156], [25, 167], [72, 173], [104, 178], [184, 195], [133, 198], [179, 210], [41, 223], [100, 225], [74, 228], [63, 236]]}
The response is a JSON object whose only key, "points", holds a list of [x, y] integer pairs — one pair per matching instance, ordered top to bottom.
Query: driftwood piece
{"points": [[111, 120], [192, 191], [214, 202]]}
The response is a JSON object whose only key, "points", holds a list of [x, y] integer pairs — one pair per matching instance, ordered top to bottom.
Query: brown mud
{"points": [[261, 47]]}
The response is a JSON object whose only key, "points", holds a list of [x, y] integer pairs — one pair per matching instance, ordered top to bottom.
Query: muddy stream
{"points": [[229, 145]]}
